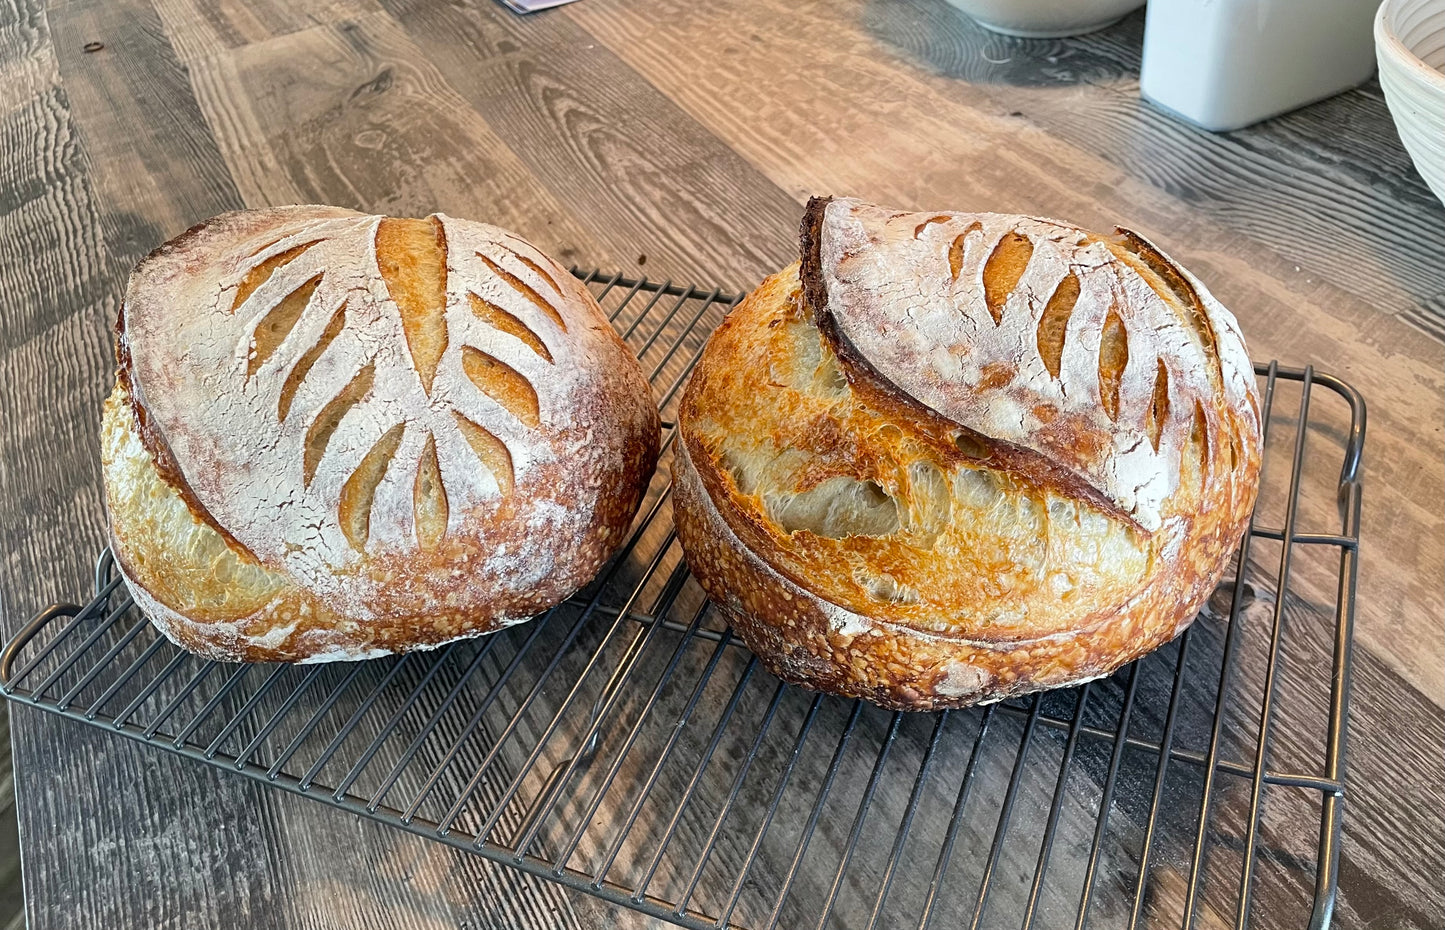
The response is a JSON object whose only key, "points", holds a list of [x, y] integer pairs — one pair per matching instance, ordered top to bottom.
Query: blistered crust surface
{"points": [[406, 473], [873, 547], [812, 642]]}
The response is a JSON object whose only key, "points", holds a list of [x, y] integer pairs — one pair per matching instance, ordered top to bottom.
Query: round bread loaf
{"points": [[337, 436], [956, 457]]}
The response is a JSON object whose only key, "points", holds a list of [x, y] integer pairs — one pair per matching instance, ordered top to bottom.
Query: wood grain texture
{"points": [[199, 30], [352, 113], [688, 134], [153, 157], [626, 160], [54, 309], [58, 447], [48, 478]]}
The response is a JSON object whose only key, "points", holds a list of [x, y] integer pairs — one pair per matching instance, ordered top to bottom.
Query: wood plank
{"points": [[199, 30], [354, 114], [154, 159], [637, 171], [41, 188], [54, 313], [58, 449], [49, 479], [12, 892]]}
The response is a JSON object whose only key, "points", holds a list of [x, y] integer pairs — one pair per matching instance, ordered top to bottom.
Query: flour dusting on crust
{"points": [[909, 292], [282, 382], [989, 455]]}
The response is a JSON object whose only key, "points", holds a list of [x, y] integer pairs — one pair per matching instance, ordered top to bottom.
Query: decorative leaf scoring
{"points": [[918, 230], [269, 242], [956, 249], [412, 257], [1006, 266], [1002, 271], [540, 272], [262, 273], [1168, 283], [526, 290], [287, 296], [1067, 307], [497, 318], [1055, 321], [278, 323], [1113, 357], [303, 367], [502, 383], [1158, 405], [318, 435], [1199, 441], [490, 450], [359, 491], [429, 498]]}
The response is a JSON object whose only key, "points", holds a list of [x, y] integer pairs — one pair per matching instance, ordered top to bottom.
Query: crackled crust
{"points": [[460, 488], [962, 566]]}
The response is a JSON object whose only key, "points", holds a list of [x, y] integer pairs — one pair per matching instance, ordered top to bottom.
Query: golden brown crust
{"points": [[428, 542], [862, 543], [805, 640]]}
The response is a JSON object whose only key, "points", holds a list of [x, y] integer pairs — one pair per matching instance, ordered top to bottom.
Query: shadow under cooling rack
{"points": [[625, 745]]}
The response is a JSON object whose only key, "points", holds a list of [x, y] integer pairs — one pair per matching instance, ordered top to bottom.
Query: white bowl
{"points": [[1046, 19], [1410, 46]]}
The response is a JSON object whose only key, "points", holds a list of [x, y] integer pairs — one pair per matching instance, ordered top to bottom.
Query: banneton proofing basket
{"points": [[1410, 47], [625, 745]]}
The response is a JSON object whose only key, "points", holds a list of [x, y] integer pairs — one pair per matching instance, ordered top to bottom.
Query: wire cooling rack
{"points": [[625, 745]]}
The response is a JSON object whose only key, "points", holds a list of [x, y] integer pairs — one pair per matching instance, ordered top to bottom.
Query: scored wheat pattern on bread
{"points": [[359, 384], [452, 389], [411, 430], [990, 454]]}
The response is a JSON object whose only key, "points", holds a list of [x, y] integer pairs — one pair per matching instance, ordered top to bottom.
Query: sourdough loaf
{"points": [[336, 436], [954, 457]]}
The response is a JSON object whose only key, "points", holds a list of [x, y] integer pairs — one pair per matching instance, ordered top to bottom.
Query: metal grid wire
{"points": [[625, 745]]}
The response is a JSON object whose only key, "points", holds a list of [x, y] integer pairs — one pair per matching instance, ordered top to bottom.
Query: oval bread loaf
{"points": [[336, 436], [955, 457]]}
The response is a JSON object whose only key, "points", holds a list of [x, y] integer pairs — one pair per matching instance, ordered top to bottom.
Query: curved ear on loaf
{"points": [[1078, 359]]}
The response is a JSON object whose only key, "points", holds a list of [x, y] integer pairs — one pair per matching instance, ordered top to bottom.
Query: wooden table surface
{"points": [[684, 135]]}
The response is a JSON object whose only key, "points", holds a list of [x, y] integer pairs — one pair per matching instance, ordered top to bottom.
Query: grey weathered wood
{"points": [[689, 134], [629, 162]]}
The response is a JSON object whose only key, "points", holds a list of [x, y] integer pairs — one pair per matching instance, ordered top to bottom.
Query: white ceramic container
{"points": [[1046, 19], [1410, 43], [1223, 64]]}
